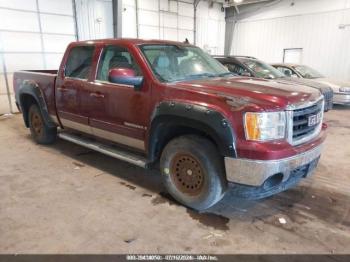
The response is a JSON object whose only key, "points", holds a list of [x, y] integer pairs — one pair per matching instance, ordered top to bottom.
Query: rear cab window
{"points": [[79, 62]]}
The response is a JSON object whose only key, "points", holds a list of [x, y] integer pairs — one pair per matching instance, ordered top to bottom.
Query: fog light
{"points": [[273, 181]]}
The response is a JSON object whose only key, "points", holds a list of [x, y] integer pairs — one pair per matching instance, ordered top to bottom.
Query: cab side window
{"points": [[116, 57], [79, 62], [237, 69]]}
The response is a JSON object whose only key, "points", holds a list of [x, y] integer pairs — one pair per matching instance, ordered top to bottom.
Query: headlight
{"points": [[344, 89], [265, 126]]}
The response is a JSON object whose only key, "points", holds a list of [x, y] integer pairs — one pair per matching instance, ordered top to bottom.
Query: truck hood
{"points": [[270, 93]]}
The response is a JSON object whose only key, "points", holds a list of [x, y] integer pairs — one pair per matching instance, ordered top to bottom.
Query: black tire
{"points": [[41, 133], [193, 171]]}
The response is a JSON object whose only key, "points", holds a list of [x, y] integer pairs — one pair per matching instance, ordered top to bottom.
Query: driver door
{"points": [[118, 112]]}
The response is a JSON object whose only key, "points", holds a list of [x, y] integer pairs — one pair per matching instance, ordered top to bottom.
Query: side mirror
{"points": [[125, 76]]}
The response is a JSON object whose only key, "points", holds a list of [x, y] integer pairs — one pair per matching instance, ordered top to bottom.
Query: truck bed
{"points": [[45, 79]]}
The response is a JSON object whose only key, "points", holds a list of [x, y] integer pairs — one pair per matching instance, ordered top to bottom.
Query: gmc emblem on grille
{"points": [[314, 119]]}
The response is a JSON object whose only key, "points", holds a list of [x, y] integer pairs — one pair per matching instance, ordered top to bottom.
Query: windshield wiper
{"points": [[226, 74], [202, 75], [195, 76]]}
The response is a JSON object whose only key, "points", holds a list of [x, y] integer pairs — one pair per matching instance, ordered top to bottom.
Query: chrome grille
{"points": [[299, 129]]}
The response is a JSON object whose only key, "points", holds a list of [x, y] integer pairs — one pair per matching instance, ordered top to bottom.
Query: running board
{"points": [[104, 149]]}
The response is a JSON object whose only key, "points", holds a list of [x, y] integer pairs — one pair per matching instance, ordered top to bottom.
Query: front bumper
{"points": [[341, 99], [257, 172], [266, 190]]}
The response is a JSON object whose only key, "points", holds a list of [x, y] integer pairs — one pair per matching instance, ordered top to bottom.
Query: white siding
{"points": [[94, 19], [174, 20], [310, 25], [211, 28], [33, 35]]}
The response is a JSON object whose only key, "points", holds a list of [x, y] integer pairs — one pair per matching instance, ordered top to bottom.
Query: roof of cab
{"points": [[133, 41]]}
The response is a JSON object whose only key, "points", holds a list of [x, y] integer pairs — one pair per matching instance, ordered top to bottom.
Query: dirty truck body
{"points": [[169, 105]]}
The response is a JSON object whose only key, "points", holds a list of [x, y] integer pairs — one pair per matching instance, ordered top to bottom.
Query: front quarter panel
{"points": [[199, 117]]}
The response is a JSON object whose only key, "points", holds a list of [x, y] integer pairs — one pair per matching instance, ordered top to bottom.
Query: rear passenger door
{"points": [[68, 88], [118, 112]]}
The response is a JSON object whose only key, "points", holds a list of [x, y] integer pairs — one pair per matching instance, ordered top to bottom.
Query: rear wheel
{"points": [[41, 133], [193, 171]]}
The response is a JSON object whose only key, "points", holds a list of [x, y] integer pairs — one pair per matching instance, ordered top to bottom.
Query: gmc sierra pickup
{"points": [[171, 106]]}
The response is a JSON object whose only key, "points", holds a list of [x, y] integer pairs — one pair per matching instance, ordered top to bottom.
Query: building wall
{"points": [[94, 19], [174, 20], [314, 25], [211, 27], [33, 35]]}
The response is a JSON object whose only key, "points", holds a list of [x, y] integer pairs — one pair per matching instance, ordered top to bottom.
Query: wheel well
{"points": [[26, 101], [167, 132]]}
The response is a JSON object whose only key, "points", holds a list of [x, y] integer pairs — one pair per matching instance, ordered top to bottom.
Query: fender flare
{"points": [[30, 88], [198, 117]]}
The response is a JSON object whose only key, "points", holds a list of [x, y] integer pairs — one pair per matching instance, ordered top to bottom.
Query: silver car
{"points": [[250, 66], [341, 89]]}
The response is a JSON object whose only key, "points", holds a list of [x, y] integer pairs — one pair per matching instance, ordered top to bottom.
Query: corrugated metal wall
{"points": [[94, 19], [174, 20], [210, 27], [33, 35], [325, 45]]}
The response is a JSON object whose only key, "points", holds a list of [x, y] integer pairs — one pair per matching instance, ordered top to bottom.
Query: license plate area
{"points": [[314, 119]]}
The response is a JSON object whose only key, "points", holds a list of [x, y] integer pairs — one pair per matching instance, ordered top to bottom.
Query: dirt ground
{"points": [[67, 199]]}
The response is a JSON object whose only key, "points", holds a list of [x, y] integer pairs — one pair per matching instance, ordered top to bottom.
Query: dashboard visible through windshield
{"points": [[172, 63]]}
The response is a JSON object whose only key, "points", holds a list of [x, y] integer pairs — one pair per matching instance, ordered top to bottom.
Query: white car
{"points": [[341, 89]]}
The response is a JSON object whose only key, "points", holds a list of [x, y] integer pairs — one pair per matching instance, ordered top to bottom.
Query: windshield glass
{"points": [[178, 63], [261, 69], [307, 72]]}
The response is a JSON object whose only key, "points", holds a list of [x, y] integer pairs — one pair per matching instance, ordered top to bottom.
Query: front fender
{"points": [[198, 117]]}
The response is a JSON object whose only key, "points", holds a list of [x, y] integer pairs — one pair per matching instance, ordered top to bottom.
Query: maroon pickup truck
{"points": [[169, 105]]}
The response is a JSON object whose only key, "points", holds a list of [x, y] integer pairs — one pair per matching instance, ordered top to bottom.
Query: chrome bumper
{"points": [[339, 98], [255, 172]]}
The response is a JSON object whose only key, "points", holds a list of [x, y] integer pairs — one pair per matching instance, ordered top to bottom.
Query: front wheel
{"points": [[41, 133], [193, 171]]}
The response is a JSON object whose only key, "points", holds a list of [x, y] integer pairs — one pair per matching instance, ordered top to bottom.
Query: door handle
{"points": [[97, 95]]}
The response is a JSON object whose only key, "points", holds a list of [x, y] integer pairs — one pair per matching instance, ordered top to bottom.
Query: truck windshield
{"points": [[172, 63], [261, 69], [307, 72]]}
